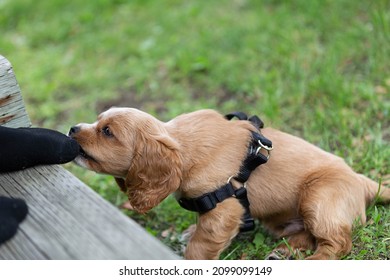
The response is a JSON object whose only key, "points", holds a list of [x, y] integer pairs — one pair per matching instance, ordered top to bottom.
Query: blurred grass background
{"points": [[317, 69]]}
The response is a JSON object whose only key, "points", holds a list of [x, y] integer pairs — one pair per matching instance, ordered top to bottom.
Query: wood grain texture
{"points": [[12, 109], [66, 220]]}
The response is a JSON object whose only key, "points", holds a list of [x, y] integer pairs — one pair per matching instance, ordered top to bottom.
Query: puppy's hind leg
{"points": [[331, 200], [215, 230], [333, 246], [294, 247]]}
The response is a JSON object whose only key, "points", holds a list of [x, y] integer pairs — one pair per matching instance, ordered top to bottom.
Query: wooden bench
{"points": [[66, 220]]}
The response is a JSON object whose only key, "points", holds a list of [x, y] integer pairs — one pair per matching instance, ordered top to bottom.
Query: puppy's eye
{"points": [[107, 132]]}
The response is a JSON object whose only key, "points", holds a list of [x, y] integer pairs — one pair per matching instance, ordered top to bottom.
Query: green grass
{"points": [[318, 69]]}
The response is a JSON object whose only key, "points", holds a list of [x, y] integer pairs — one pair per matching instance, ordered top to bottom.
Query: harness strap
{"points": [[255, 120], [254, 158], [208, 201], [248, 223]]}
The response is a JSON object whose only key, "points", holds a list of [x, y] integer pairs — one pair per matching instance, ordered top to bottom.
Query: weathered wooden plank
{"points": [[12, 109], [66, 220]]}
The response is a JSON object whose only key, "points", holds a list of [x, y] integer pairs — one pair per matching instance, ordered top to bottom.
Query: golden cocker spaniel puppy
{"points": [[307, 195]]}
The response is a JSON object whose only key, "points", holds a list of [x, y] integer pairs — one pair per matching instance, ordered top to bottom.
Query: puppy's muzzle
{"points": [[73, 131]]}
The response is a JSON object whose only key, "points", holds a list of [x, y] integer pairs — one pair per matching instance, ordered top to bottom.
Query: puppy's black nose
{"points": [[74, 130]]}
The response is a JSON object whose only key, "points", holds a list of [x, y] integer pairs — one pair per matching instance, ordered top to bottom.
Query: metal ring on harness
{"points": [[265, 147], [232, 177]]}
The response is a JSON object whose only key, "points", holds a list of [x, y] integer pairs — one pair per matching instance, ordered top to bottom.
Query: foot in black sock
{"points": [[21, 148], [12, 213]]}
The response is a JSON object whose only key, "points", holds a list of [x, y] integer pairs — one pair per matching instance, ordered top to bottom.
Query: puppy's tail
{"points": [[377, 192]]}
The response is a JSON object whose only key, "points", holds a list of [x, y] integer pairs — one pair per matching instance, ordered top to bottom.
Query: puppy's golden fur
{"points": [[303, 193]]}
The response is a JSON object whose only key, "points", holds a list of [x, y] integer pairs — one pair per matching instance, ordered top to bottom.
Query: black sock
{"points": [[21, 148], [12, 213]]}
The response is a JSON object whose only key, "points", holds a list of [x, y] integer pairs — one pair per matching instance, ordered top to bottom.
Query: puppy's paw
{"points": [[127, 205], [284, 253], [279, 254]]}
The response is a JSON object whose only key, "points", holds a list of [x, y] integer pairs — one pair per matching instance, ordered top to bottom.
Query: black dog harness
{"points": [[209, 201]]}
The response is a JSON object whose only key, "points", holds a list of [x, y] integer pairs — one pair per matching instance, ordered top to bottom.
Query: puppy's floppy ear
{"points": [[155, 171]]}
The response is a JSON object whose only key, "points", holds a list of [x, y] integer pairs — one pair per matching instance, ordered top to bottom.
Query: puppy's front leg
{"points": [[215, 230]]}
